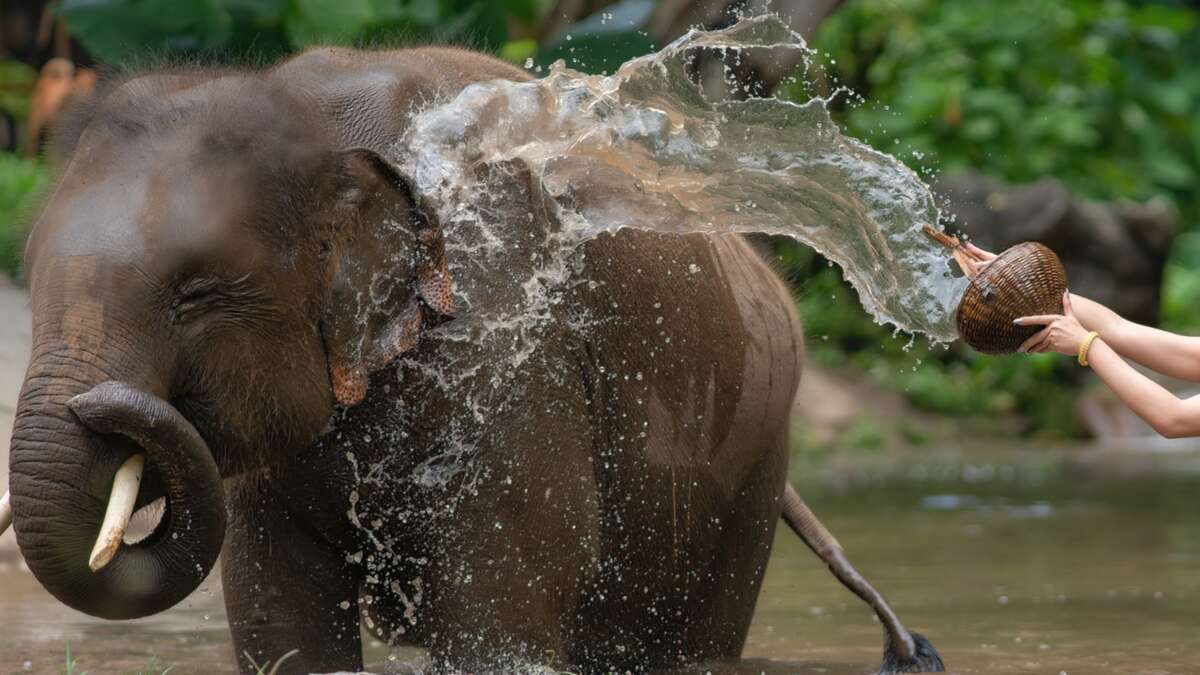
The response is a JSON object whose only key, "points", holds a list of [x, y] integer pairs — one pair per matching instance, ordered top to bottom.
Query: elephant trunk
{"points": [[67, 443]]}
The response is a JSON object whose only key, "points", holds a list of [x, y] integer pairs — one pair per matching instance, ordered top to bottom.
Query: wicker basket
{"points": [[1024, 280]]}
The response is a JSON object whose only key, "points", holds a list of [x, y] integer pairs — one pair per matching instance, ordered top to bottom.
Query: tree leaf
{"points": [[525, 10], [257, 11], [309, 22], [604, 40]]}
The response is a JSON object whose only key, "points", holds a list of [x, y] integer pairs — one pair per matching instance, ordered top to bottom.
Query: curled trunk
{"points": [[68, 440]]}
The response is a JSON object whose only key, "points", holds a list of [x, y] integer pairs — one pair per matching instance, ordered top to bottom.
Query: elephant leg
{"points": [[526, 544], [292, 599], [904, 652]]}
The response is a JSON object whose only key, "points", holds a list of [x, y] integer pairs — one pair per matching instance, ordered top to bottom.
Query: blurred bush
{"points": [[117, 31], [130, 31], [16, 81], [1097, 93], [22, 182]]}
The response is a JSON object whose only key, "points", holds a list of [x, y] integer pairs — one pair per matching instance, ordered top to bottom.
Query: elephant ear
{"points": [[388, 273]]}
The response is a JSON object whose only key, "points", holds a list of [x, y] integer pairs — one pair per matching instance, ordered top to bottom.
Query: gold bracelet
{"points": [[1085, 346]]}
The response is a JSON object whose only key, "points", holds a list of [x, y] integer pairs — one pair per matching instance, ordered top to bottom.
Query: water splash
{"points": [[646, 148], [580, 156]]}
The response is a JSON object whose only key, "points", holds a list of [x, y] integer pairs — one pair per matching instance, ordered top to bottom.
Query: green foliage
{"points": [[119, 31], [125, 31], [605, 40], [16, 83], [1101, 94], [22, 182], [1181, 285], [862, 436]]}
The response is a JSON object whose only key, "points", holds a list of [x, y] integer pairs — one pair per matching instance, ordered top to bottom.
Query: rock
{"points": [[1113, 252], [830, 403]]}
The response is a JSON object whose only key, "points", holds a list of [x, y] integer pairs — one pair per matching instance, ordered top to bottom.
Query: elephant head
{"points": [[209, 278]]}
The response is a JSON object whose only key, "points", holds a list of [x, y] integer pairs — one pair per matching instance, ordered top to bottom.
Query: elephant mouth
{"points": [[126, 484], [137, 511], [147, 521], [125, 522]]}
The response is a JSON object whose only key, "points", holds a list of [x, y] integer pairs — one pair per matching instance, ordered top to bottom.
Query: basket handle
{"points": [[964, 259]]}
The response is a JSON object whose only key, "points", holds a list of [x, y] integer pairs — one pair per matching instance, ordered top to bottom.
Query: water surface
{"points": [[1008, 568]]}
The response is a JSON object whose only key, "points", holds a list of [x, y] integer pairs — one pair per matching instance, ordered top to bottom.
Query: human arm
{"points": [[1159, 350], [1165, 412]]}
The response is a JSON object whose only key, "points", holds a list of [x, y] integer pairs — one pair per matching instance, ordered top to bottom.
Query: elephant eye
{"points": [[200, 294]]}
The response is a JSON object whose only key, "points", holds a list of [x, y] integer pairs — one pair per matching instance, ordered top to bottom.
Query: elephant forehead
{"points": [[192, 212], [156, 215], [88, 217]]}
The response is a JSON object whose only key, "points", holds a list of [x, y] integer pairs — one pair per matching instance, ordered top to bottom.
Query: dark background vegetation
{"points": [[1100, 94]]}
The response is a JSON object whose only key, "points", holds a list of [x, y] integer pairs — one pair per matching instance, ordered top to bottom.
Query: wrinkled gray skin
{"points": [[268, 301]]}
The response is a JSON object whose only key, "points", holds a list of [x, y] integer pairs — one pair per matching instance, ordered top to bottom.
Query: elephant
{"points": [[452, 434]]}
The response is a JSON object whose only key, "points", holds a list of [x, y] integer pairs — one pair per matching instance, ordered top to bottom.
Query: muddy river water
{"points": [[1007, 567]]}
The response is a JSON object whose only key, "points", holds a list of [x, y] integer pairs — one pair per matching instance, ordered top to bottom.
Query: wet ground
{"points": [[1027, 567]]}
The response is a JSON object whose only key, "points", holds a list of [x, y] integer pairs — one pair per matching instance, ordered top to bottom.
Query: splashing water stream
{"points": [[646, 148]]}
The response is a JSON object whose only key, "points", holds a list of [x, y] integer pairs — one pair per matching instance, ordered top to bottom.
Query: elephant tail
{"points": [[903, 652]]}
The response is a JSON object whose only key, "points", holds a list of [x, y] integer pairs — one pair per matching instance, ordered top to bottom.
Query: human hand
{"points": [[979, 258], [1062, 333]]}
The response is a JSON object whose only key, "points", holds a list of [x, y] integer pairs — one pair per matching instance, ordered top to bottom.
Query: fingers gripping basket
{"points": [[1024, 280]]}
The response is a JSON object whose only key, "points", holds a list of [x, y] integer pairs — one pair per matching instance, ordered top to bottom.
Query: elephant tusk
{"points": [[120, 508], [5, 513]]}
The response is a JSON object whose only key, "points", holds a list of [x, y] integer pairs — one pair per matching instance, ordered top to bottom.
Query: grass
{"points": [[22, 183], [71, 663], [71, 667], [262, 669]]}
